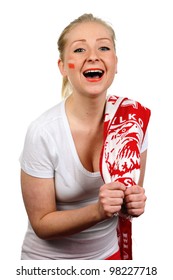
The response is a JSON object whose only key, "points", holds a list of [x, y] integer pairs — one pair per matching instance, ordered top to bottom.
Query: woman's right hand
{"points": [[111, 198]]}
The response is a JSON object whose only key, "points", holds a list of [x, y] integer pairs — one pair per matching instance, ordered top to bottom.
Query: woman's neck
{"points": [[88, 110]]}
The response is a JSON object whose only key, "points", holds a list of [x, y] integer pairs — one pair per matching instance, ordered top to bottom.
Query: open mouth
{"points": [[93, 74]]}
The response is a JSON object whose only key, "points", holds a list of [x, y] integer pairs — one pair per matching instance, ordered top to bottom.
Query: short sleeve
{"points": [[37, 158]]}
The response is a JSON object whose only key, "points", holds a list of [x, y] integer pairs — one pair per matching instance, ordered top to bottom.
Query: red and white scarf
{"points": [[125, 125]]}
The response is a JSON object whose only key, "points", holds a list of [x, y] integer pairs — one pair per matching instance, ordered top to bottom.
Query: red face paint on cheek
{"points": [[71, 65]]}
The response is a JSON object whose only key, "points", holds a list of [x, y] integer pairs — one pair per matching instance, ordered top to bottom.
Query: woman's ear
{"points": [[61, 68]]}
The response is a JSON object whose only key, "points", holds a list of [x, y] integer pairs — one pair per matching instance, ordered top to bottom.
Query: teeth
{"points": [[93, 71]]}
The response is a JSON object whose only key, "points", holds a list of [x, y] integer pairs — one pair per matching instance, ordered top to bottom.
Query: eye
{"points": [[104, 49], [79, 50]]}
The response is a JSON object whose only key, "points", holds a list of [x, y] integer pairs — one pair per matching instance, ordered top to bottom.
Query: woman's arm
{"points": [[142, 168], [135, 197], [48, 223]]}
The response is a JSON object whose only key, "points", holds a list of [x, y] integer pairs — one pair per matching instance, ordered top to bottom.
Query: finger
{"points": [[116, 186], [111, 190], [134, 190], [111, 193], [115, 193], [135, 198], [113, 201], [135, 205], [110, 210], [136, 212]]}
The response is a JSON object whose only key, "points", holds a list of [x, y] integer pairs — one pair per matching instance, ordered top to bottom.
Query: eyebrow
{"points": [[99, 39]]}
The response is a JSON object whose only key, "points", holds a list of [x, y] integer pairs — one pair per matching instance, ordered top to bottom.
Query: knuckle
{"points": [[101, 195], [103, 200], [118, 208]]}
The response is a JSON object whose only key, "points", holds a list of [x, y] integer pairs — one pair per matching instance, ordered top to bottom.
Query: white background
{"points": [[30, 83]]}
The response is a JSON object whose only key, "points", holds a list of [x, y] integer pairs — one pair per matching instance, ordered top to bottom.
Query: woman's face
{"points": [[90, 61]]}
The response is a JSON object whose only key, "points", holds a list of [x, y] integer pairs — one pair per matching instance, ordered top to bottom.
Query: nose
{"points": [[93, 56]]}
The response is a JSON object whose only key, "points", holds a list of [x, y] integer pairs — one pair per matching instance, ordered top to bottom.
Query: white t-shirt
{"points": [[49, 151]]}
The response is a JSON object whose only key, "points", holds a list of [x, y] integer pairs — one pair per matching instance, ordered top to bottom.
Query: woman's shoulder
{"points": [[50, 115], [47, 118]]}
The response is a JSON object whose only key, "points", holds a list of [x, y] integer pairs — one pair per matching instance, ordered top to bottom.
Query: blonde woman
{"points": [[71, 211]]}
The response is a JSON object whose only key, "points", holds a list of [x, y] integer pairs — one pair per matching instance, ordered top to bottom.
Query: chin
{"points": [[96, 93]]}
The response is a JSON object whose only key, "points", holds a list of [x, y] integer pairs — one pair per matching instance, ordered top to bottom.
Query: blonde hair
{"points": [[66, 87]]}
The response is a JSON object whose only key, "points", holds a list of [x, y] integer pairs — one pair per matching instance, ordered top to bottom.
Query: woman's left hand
{"points": [[135, 199]]}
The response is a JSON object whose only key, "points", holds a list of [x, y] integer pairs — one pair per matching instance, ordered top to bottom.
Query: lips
{"points": [[93, 74]]}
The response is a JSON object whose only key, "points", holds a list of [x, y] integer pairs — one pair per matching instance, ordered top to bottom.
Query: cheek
{"points": [[71, 65], [114, 65], [116, 71]]}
